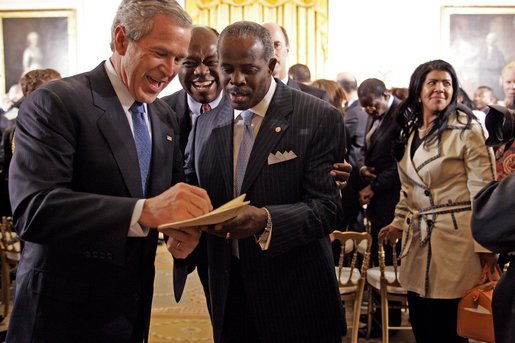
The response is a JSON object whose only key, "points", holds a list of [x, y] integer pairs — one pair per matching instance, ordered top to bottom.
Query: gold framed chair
{"points": [[10, 256], [351, 271], [384, 281]]}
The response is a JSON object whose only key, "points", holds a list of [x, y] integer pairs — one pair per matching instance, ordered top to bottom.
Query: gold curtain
{"points": [[305, 21]]}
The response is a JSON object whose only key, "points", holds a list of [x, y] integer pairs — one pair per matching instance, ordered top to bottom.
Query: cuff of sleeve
{"points": [[136, 230], [264, 239]]}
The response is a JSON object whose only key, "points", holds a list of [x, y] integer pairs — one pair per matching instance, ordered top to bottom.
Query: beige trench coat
{"points": [[439, 256]]}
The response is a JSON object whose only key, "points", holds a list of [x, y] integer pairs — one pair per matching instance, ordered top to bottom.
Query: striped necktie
{"points": [[247, 141]]}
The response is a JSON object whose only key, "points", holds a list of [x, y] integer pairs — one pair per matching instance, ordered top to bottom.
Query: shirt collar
{"points": [[120, 89], [194, 106], [262, 106]]}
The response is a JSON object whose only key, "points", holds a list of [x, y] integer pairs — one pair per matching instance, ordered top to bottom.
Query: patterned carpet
{"points": [[188, 320]]}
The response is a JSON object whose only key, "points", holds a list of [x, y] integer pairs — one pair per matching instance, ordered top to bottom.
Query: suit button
{"points": [[427, 192]]}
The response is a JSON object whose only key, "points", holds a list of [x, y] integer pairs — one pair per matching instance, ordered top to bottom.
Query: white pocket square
{"points": [[279, 157]]}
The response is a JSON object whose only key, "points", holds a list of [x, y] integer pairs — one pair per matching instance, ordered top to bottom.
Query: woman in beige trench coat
{"points": [[443, 162]]}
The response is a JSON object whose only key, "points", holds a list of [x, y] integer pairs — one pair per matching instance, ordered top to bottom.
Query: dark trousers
{"points": [[434, 320], [238, 321]]}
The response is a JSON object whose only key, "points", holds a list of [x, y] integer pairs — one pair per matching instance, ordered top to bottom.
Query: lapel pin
{"points": [[278, 129], [169, 138]]}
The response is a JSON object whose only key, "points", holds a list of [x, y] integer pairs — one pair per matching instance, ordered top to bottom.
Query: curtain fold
{"points": [[306, 22]]}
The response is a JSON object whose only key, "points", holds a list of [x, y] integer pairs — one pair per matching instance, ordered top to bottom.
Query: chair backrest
{"points": [[9, 240], [354, 245], [393, 277]]}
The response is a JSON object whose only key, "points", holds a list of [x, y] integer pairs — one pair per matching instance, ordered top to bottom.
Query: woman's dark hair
{"points": [[464, 99], [410, 111]]}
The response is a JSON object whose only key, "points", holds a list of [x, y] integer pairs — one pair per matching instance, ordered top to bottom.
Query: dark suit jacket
{"points": [[316, 92], [178, 101], [355, 124], [74, 182], [386, 186], [494, 228], [291, 287]]}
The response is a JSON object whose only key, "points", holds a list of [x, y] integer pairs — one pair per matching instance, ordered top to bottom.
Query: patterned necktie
{"points": [[205, 108], [142, 140], [247, 141]]}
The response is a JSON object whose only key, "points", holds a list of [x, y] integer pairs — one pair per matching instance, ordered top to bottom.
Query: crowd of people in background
{"points": [[409, 160]]}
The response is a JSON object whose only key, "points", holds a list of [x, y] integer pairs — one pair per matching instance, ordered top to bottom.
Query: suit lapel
{"points": [[113, 124], [272, 129], [223, 136], [163, 140]]}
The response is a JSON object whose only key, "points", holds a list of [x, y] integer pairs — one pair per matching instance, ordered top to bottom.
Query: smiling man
{"points": [[199, 78], [94, 171], [271, 273]]}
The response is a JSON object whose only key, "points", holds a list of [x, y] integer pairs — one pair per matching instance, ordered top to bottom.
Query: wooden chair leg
{"points": [[357, 311], [369, 311], [384, 317]]}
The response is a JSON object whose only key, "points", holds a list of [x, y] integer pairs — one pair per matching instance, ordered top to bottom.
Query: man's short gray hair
{"points": [[136, 16]]}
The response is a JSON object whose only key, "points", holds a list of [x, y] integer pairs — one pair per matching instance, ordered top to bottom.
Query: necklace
{"points": [[427, 128]]}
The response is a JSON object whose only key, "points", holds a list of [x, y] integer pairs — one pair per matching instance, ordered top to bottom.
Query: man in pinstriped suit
{"points": [[271, 273]]}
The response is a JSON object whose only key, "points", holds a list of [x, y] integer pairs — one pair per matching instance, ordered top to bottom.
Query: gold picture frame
{"points": [[33, 39], [478, 42]]}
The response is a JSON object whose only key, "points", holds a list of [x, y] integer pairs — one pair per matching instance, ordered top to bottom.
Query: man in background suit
{"points": [[282, 49], [300, 72], [201, 89], [355, 119], [95, 168], [379, 169], [271, 275]]}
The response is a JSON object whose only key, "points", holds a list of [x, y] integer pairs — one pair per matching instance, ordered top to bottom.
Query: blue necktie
{"points": [[142, 140], [247, 141]]}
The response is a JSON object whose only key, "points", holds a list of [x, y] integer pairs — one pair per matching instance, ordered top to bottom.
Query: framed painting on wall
{"points": [[36, 39], [478, 42]]}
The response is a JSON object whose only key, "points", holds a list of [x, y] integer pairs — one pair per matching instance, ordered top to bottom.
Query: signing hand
{"points": [[177, 203], [249, 221]]}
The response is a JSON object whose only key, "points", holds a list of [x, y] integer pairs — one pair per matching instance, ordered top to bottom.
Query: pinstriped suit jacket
{"points": [[291, 287]]}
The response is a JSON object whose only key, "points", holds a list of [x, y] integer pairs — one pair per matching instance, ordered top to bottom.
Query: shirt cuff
{"points": [[136, 230], [264, 239]]}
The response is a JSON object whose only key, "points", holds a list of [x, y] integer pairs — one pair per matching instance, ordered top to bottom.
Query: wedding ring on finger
{"points": [[228, 235]]}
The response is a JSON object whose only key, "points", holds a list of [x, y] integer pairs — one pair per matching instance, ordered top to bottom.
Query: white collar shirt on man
{"points": [[124, 96], [194, 106], [260, 111]]}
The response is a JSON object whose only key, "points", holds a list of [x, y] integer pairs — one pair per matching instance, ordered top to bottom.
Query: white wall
{"points": [[371, 38], [387, 39]]}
